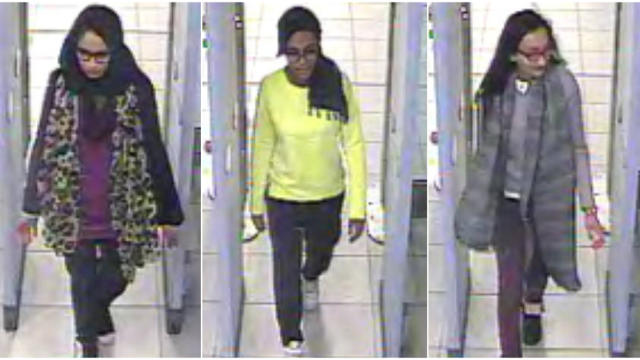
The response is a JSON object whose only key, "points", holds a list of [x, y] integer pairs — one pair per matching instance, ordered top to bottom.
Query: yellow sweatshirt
{"points": [[299, 157]]}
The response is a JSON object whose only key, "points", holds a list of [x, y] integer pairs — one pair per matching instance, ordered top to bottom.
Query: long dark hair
{"points": [[517, 26]]}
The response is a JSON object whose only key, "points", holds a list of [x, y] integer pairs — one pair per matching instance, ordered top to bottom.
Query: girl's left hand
{"points": [[594, 229], [168, 235]]}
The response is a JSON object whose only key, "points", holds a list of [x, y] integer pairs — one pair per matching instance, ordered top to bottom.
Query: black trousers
{"points": [[320, 222], [519, 278], [96, 281]]}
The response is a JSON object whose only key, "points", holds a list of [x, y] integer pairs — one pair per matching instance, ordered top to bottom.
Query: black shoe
{"points": [[531, 328]]}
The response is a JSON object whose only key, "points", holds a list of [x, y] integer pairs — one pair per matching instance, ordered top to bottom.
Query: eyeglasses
{"points": [[294, 55], [538, 55], [100, 57]]}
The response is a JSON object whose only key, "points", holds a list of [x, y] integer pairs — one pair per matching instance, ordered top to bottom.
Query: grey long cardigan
{"points": [[549, 176]]}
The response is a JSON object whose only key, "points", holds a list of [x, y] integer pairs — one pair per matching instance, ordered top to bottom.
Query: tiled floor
{"points": [[585, 36], [138, 315], [46, 326]]}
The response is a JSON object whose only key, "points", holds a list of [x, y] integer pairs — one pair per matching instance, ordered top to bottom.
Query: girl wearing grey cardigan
{"points": [[531, 158]]}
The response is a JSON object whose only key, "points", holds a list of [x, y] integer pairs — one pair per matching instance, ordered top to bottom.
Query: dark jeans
{"points": [[320, 221], [517, 279], [96, 281]]}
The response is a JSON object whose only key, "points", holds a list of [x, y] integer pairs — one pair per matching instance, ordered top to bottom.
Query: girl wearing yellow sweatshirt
{"points": [[306, 131]]}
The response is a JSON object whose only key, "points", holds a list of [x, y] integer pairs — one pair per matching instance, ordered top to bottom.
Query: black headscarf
{"points": [[325, 84], [97, 96]]}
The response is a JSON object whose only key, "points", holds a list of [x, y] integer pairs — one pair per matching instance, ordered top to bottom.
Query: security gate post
{"points": [[13, 137]]}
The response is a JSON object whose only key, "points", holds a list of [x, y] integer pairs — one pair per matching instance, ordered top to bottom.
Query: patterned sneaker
{"points": [[310, 294], [293, 349]]}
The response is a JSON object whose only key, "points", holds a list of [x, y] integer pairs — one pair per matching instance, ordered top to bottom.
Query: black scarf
{"points": [[325, 85], [325, 90], [97, 116]]}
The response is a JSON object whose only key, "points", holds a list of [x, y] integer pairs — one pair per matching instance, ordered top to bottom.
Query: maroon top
{"points": [[95, 163]]}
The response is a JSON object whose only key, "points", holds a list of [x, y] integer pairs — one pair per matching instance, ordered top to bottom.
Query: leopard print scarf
{"points": [[132, 202]]}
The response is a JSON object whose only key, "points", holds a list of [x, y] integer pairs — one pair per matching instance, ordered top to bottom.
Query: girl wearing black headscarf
{"points": [[307, 122], [98, 175]]}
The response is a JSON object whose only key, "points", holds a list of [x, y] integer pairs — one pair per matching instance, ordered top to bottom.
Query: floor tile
{"points": [[258, 278], [46, 280], [346, 281], [130, 323], [482, 326], [566, 326], [35, 329], [340, 331], [260, 336], [187, 343], [482, 353], [565, 353]]}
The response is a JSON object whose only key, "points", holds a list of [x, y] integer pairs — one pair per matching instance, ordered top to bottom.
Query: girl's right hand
{"points": [[595, 230], [26, 231]]}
